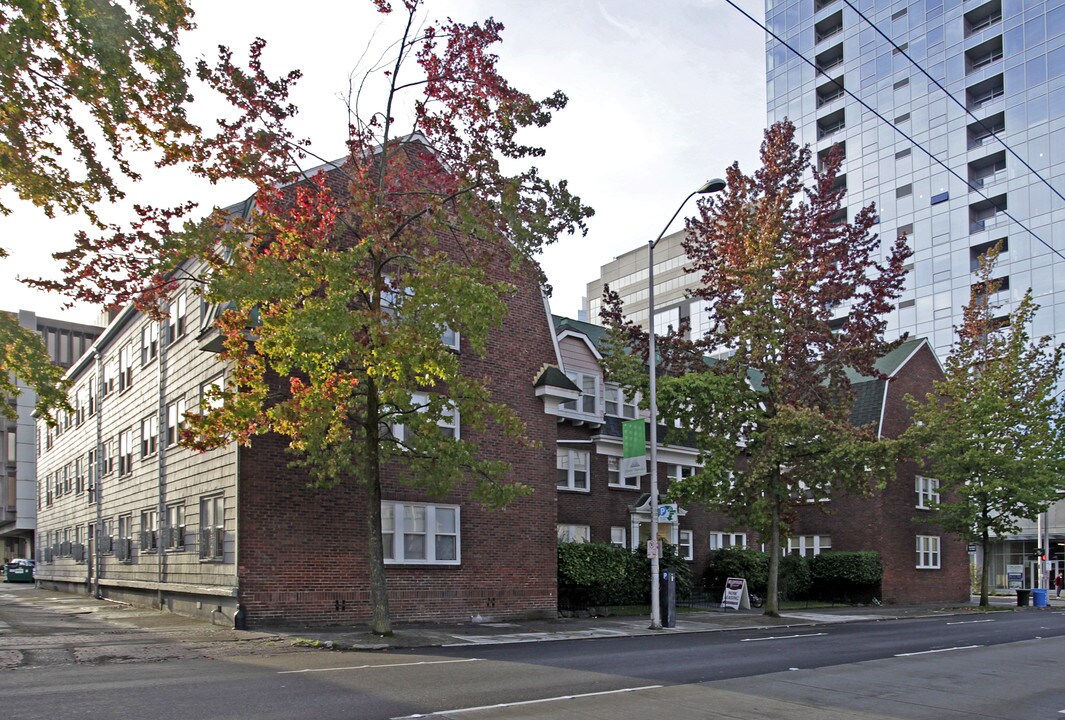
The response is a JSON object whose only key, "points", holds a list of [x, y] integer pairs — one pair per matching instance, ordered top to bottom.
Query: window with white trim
{"points": [[176, 323], [450, 338], [149, 342], [125, 367], [110, 377], [209, 398], [588, 402], [617, 405], [175, 421], [449, 422], [149, 435], [125, 452], [573, 470], [680, 472], [615, 477], [927, 492], [212, 527], [174, 530], [420, 533], [574, 533], [618, 537], [149, 540], [720, 540], [685, 545], [808, 545], [928, 552]]}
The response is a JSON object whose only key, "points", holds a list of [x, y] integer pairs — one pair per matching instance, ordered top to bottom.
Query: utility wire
{"points": [[957, 102], [895, 127]]}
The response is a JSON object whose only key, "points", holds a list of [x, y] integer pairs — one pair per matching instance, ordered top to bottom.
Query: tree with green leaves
{"points": [[73, 77], [347, 286], [770, 415], [993, 431]]}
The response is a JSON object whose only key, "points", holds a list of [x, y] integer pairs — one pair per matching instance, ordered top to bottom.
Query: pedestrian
{"points": [[1059, 581]]}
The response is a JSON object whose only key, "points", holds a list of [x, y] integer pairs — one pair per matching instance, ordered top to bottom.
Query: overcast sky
{"points": [[663, 95]]}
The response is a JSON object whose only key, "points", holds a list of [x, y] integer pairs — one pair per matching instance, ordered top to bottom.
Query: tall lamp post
{"points": [[710, 186]]}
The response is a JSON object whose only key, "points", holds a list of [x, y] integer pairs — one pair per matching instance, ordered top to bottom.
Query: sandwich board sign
{"points": [[736, 595]]}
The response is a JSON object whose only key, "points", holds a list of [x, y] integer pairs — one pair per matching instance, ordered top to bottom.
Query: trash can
{"points": [[20, 571], [1022, 597], [1039, 597], [667, 598]]}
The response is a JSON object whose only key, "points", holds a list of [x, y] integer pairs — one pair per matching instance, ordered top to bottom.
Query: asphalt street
{"points": [[72, 656]]}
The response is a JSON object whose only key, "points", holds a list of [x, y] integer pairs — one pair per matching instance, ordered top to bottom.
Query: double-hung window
{"points": [[176, 323], [149, 342], [125, 367], [210, 393], [588, 402], [617, 405], [175, 420], [448, 423], [149, 435], [125, 452], [573, 470], [681, 472], [615, 478], [927, 492], [212, 528], [174, 530], [149, 531], [420, 533], [569, 533], [618, 537], [721, 540], [685, 545], [809, 545], [928, 552]]}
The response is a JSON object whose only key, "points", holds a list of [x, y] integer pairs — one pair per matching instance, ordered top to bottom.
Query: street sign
{"points": [[667, 512], [972, 547], [652, 548], [736, 595]]}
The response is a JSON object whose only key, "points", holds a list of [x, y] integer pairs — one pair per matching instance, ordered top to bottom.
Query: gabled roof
{"points": [[596, 334]]}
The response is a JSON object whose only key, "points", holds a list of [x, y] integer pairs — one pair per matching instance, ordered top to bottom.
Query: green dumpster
{"points": [[20, 571]]}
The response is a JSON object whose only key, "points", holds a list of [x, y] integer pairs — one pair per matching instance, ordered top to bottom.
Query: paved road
{"points": [[74, 662]]}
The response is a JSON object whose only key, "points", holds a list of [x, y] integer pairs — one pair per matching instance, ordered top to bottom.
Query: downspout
{"points": [[160, 516], [97, 560]]}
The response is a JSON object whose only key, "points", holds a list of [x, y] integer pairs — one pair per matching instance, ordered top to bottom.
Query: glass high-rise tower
{"points": [[1004, 62]]}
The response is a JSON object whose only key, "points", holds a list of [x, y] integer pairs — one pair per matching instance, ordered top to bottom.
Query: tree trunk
{"points": [[985, 567], [772, 604], [380, 622]]}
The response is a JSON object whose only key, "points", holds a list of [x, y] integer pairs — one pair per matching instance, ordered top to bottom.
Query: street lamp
{"points": [[710, 186]]}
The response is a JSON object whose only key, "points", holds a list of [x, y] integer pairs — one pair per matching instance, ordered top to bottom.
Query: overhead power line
{"points": [[897, 129]]}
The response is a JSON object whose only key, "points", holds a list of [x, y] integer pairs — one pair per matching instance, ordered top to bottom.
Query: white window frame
{"points": [[177, 322], [450, 338], [149, 342], [125, 367], [589, 396], [206, 403], [622, 407], [175, 421], [449, 421], [149, 436], [125, 452], [565, 460], [678, 472], [615, 479], [927, 490], [213, 520], [394, 531], [570, 532], [619, 537], [716, 540], [685, 545], [808, 545], [928, 552]]}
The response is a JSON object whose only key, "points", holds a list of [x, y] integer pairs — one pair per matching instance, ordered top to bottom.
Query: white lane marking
{"points": [[968, 622], [782, 637], [928, 652], [371, 667], [525, 702]]}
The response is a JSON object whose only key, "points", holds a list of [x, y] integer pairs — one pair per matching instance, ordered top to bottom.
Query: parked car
{"points": [[21, 570]]}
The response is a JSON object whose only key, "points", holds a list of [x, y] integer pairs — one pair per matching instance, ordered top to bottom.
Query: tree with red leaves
{"points": [[347, 285], [796, 299]]}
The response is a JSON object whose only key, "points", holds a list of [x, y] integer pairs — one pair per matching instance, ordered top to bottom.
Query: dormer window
{"points": [[588, 402], [617, 405]]}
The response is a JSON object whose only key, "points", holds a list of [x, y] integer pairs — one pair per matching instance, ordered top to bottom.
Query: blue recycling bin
{"points": [[1039, 597]]}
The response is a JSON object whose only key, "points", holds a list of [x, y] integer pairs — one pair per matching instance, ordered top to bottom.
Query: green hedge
{"points": [[611, 575], [849, 576]]}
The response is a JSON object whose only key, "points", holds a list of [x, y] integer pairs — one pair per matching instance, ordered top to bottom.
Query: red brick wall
{"points": [[302, 556]]}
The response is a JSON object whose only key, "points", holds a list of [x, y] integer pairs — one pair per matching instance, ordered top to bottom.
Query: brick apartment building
{"points": [[595, 503], [126, 512]]}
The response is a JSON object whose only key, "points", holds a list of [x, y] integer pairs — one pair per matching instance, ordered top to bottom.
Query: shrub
{"points": [[741, 563], [591, 564], [609, 575], [853, 576], [795, 579]]}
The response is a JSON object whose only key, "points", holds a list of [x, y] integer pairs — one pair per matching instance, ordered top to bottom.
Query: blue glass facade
{"points": [[1004, 60]]}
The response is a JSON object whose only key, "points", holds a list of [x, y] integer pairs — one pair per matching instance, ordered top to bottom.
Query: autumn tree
{"points": [[73, 77], [347, 285], [796, 297], [993, 430]]}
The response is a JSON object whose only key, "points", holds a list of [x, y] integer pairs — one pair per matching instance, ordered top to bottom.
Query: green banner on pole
{"points": [[633, 438]]}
